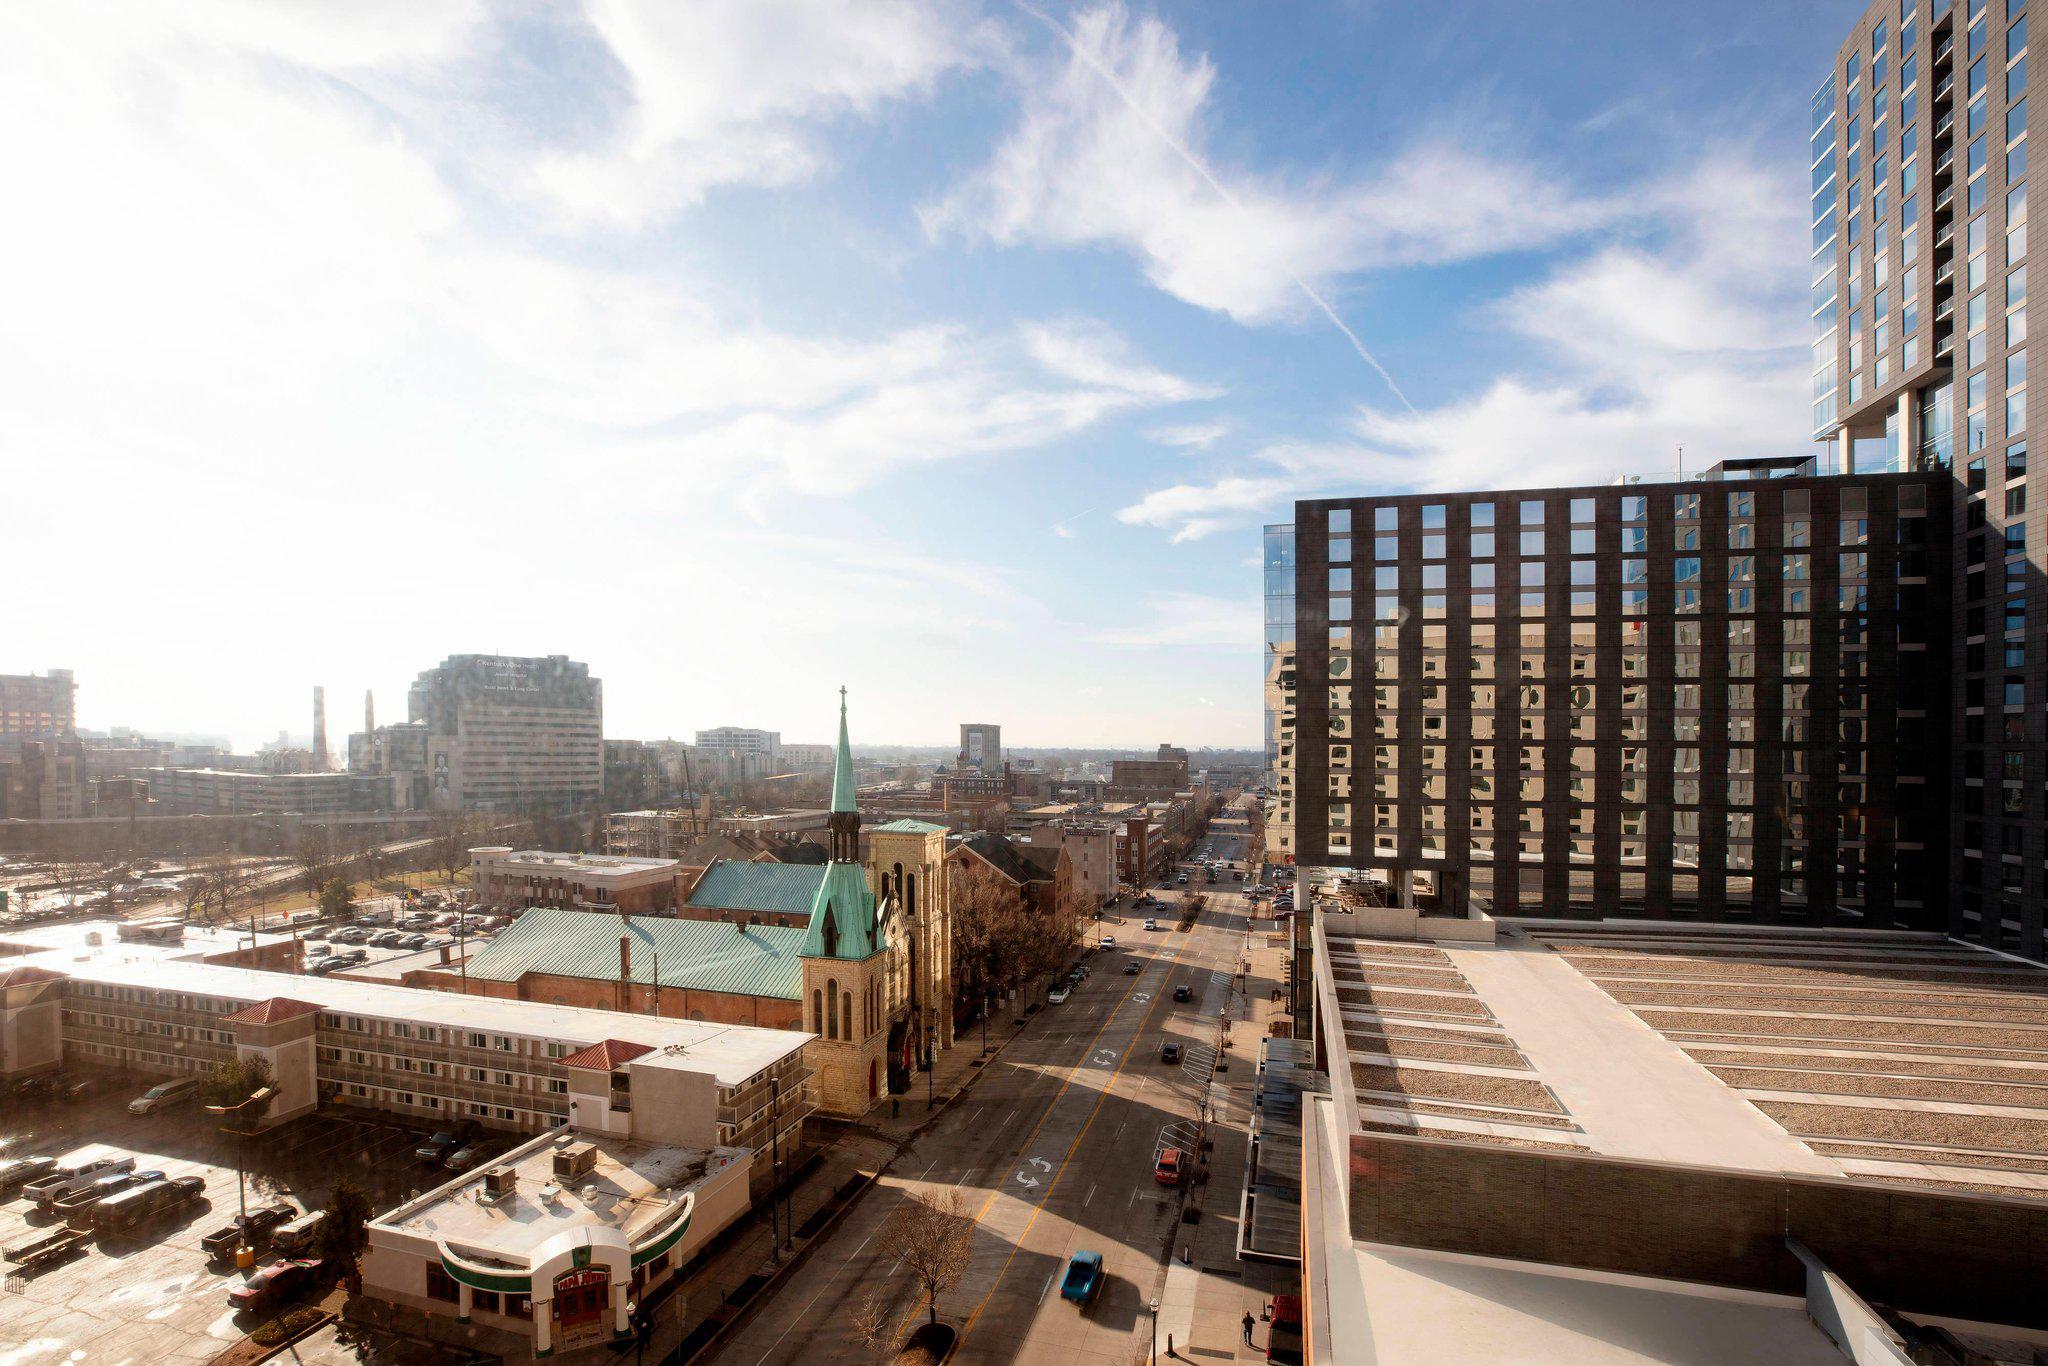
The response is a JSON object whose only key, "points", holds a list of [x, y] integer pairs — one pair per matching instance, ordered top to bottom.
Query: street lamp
{"points": [[255, 1099], [1155, 1332]]}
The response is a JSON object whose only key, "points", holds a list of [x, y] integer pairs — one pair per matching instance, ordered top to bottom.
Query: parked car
{"points": [[389, 939], [415, 941], [318, 950], [354, 956], [323, 966], [1183, 992], [1058, 995], [1169, 1052], [165, 1095], [446, 1141], [465, 1157], [1171, 1168], [17, 1172], [255, 1227], [1084, 1277], [268, 1285]]}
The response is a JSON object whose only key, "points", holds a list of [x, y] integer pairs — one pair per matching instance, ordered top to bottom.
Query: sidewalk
{"points": [[1205, 1297]]}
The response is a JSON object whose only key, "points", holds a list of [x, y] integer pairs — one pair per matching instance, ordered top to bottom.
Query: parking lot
{"points": [[150, 1295]]}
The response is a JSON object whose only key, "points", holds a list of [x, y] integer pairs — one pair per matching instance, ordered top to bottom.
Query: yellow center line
{"points": [[1072, 1072], [1051, 1185]]}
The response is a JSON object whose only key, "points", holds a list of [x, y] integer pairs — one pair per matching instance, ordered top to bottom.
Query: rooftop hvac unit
{"points": [[577, 1160], [500, 1182]]}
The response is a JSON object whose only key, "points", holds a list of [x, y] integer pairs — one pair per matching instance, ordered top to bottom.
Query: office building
{"points": [[1717, 699], [33, 706], [509, 734], [760, 745], [981, 747]]}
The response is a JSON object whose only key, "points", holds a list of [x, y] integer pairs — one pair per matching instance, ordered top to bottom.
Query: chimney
{"points": [[369, 712], [319, 729], [625, 971]]}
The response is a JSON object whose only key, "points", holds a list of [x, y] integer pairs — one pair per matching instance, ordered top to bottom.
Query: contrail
{"points": [[1195, 163]]}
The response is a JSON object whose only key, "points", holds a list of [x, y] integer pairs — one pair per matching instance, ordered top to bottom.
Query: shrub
{"points": [[287, 1325]]}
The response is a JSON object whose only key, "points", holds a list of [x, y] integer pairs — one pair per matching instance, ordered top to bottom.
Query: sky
{"points": [[745, 348]]}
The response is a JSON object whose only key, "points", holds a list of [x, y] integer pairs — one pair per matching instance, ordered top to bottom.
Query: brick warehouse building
{"points": [[1722, 699]]}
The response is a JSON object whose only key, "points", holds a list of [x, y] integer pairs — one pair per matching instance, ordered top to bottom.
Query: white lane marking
{"points": [[1089, 1198], [1048, 1286]]}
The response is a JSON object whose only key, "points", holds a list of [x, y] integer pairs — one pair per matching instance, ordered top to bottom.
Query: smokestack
{"points": [[369, 712], [319, 729], [625, 971]]}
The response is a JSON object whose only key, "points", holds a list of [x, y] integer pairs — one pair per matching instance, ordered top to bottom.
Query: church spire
{"points": [[844, 821]]}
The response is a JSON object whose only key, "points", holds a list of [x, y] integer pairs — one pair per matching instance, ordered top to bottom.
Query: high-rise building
{"points": [[1921, 361], [1720, 699], [33, 706], [508, 733], [981, 746]]}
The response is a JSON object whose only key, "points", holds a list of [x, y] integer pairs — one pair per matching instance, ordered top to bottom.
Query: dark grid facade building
{"points": [[1920, 207], [1720, 699]]}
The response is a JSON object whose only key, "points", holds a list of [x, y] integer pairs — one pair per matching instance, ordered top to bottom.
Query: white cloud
{"points": [[725, 92], [1110, 149], [242, 294], [1693, 341], [1191, 435], [1192, 511], [1192, 620]]}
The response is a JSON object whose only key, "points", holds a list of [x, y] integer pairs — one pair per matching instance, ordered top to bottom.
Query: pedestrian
{"points": [[1247, 1327]]}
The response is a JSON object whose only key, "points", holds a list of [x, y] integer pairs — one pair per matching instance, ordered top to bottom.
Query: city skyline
{"points": [[971, 348]]}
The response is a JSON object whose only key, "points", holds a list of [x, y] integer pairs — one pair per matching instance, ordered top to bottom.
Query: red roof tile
{"points": [[276, 1010], [605, 1056]]}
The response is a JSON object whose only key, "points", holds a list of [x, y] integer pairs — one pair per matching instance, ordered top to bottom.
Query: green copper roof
{"points": [[842, 766], [908, 826], [784, 888], [845, 903], [701, 955]]}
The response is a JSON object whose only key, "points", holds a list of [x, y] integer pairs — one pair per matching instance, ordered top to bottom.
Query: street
{"points": [[1051, 1153]]}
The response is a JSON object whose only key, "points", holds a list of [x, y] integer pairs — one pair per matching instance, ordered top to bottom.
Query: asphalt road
{"points": [[1050, 1153]]}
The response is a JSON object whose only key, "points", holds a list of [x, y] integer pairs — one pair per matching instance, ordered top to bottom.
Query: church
{"points": [[857, 950]]}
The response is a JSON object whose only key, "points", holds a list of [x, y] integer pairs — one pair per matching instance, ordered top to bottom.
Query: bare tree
{"points": [[454, 833], [315, 855], [228, 884], [1000, 940], [933, 1239], [874, 1326]]}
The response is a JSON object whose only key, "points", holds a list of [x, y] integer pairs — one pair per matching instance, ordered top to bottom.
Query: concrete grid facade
{"points": [[1677, 700]]}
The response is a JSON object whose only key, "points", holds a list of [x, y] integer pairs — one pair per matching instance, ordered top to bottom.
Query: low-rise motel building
{"points": [[647, 1136]]}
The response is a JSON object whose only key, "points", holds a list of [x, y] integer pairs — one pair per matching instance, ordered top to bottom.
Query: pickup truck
{"points": [[73, 1174], [146, 1201], [74, 1206], [223, 1241], [1083, 1279], [272, 1283]]}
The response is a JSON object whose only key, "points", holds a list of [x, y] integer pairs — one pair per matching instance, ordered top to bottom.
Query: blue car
{"points": [[1084, 1277]]}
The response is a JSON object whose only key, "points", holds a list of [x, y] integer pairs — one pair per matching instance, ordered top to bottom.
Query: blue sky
{"points": [[955, 352]]}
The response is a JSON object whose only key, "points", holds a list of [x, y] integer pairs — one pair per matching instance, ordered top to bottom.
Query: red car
{"points": [[1172, 1166], [267, 1285]]}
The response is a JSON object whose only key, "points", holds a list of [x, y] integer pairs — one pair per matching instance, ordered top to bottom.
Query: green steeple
{"points": [[842, 765]]}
